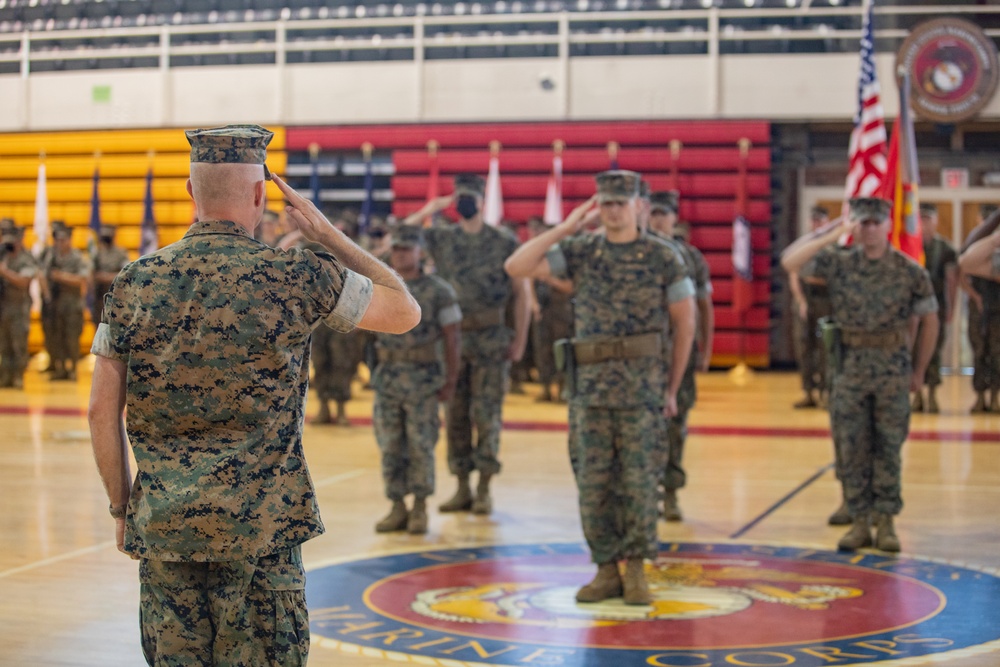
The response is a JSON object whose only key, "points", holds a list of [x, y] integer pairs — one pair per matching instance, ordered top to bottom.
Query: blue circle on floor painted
{"points": [[714, 604]]}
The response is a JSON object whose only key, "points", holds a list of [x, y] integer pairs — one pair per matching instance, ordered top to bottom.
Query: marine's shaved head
{"points": [[224, 183], [228, 192]]}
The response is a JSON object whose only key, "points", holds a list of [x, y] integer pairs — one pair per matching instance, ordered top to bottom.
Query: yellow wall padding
{"points": [[123, 157]]}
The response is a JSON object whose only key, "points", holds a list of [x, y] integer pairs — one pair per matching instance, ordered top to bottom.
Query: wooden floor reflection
{"points": [[68, 598]]}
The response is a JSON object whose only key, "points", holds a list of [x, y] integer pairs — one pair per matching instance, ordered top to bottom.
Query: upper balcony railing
{"points": [[420, 32]]}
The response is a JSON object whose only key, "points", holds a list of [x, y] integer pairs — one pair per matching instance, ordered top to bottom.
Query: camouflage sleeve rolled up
{"points": [[995, 263], [676, 271], [702, 275], [924, 301], [348, 303], [447, 308]]}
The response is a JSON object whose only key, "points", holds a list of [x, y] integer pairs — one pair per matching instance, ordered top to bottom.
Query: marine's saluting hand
{"points": [[309, 219]]}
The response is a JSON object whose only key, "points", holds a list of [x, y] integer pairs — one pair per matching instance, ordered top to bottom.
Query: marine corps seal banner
{"points": [[953, 69]]}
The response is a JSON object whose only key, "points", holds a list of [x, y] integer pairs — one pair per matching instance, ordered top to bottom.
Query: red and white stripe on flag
{"points": [[869, 141]]}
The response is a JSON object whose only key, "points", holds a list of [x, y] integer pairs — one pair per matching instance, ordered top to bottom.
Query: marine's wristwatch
{"points": [[117, 512]]}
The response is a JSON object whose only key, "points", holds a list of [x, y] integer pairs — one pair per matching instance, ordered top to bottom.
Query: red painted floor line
{"points": [[561, 427]]}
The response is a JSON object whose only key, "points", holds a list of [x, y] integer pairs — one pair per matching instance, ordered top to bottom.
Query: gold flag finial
{"points": [[558, 145], [744, 146], [494, 148], [675, 148], [613, 149], [314, 150], [366, 150]]}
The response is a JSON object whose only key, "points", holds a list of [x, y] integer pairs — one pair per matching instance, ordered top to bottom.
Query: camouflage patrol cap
{"points": [[232, 144], [470, 184], [617, 185], [644, 189], [665, 201], [870, 208], [927, 208], [986, 210], [818, 212], [5, 224], [107, 230], [61, 231], [11, 233], [407, 236]]}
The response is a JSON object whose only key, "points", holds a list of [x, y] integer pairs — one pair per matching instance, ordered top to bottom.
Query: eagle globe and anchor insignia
{"points": [[714, 605]]}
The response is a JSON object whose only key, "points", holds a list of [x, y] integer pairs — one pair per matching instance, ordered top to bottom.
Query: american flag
{"points": [[867, 152]]}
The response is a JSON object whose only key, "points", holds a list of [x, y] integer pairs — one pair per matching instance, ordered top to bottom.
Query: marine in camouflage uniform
{"points": [[663, 218], [470, 256], [109, 259], [941, 262], [17, 269], [67, 276], [630, 287], [875, 290], [812, 302], [47, 314], [552, 320], [984, 321], [205, 344], [336, 357], [414, 371]]}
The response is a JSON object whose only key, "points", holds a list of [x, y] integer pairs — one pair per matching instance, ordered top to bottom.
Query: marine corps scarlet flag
{"points": [[902, 178]]}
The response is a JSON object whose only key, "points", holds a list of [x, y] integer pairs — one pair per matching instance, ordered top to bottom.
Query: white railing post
{"points": [[280, 38], [714, 62], [418, 64], [564, 68], [25, 80], [166, 83]]}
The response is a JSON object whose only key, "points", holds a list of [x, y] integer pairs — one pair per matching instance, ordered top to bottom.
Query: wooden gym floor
{"points": [[67, 597]]}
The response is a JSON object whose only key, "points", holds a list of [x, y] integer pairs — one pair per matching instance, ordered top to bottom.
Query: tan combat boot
{"points": [[807, 402], [932, 404], [917, 405], [323, 416], [341, 418], [462, 500], [483, 503], [671, 510], [841, 517], [395, 520], [417, 523], [885, 534], [859, 536], [607, 583], [636, 588]]}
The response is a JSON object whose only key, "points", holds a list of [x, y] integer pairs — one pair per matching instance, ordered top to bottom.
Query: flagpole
{"points": [[613, 147], [314, 151], [675, 153], [433, 176], [366, 207], [741, 373]]}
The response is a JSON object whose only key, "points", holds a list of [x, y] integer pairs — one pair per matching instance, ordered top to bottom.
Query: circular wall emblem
{"points": [[952, 67], [714, 604]]}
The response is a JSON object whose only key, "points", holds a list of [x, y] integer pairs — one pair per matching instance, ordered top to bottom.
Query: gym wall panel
{"points": [[318, 95], [132, 98]]}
